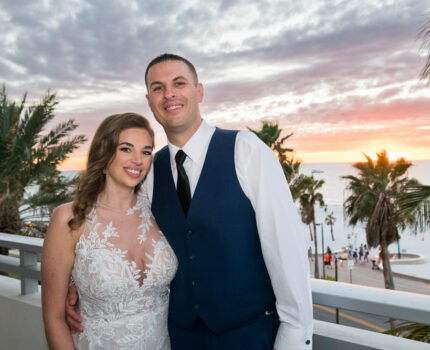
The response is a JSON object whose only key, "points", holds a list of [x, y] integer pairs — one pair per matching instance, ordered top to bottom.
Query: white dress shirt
{"points": [[282, 239]]}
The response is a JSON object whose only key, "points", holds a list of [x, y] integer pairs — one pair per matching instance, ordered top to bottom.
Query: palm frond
{"points": [[424, 33], [29, 158], [411, 330]]}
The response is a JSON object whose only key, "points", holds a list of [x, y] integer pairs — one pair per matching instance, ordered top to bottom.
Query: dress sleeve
{"points": [[282, 239]]}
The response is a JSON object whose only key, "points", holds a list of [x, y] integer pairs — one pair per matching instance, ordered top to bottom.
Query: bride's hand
{"points": [[72, 317]]}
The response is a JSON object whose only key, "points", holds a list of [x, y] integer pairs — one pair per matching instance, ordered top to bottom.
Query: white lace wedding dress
{"points": [[123, 267]]}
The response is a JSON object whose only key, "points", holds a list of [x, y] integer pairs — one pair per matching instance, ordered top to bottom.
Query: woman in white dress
{"points": [[109, 242]]}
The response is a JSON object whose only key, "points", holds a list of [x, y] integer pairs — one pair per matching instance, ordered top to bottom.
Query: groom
{"points": [[221, 199]]}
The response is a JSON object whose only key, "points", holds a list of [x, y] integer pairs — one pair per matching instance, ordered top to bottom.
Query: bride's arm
{"points": [[57, 263]]}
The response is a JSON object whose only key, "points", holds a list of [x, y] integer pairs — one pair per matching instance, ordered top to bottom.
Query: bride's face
{"points": [[132, 159]]}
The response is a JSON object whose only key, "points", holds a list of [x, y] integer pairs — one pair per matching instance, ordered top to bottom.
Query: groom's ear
{"points": [[200, 91], [149, 102]]}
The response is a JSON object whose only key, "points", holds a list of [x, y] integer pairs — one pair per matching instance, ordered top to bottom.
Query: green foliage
{"points": [[270, 134], [27, 157], [374, 179], [309, 196], [374, 199], [416, 202], [330, 220], [329, 278], [410, 330]]}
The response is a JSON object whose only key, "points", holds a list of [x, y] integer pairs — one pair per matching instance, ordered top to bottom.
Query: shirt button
{"points": [[192, 257], [196, 307], [308, 342]]}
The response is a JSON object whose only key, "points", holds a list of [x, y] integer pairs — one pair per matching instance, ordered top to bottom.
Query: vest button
{"points": [[189, 232], [192, 257], [193, 283], [196, 307]]}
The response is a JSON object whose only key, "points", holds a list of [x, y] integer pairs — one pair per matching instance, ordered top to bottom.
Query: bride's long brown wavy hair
{"points": [[100, 154]]}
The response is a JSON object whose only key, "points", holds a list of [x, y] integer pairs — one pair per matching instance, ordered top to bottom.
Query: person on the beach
{"points": [[221, 199], [108, 240], [355, 255]]}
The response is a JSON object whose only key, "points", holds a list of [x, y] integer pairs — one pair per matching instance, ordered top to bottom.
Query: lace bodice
{"points": [[123, 267]]}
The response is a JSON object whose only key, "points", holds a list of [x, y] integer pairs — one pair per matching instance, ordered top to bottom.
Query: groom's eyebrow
{"points": [[174, 79]]}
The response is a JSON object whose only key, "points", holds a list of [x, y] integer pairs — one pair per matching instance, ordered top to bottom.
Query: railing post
{"points": [[28, 285]]}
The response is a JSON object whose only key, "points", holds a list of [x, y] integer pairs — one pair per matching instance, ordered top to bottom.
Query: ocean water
{"points": [[334, 186], [334, 193]]}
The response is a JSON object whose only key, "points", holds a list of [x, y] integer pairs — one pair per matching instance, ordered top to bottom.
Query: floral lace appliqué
{"points": [[118, 311]]}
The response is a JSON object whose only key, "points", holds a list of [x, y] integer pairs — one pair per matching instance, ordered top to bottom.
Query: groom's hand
{"points": [[72, 317]]}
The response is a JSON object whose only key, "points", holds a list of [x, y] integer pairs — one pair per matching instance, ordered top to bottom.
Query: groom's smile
{"points": [[174, 97]]}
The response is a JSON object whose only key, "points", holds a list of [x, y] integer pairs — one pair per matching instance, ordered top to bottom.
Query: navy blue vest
{"points": [[222, 277]]}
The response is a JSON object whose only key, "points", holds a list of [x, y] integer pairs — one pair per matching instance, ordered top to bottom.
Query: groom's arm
{"points": [[282, 239]]}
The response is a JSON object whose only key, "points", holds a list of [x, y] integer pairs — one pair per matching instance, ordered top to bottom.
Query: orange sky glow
{"points": [[344, 77]]}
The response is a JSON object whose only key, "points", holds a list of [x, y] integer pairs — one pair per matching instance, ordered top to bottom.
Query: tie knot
{"points": [[180, 157]]}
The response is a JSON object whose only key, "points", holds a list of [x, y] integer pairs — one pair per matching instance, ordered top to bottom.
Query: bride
{"points": [[110, 244]]}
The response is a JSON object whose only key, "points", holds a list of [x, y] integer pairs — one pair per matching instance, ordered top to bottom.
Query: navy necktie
{"points": [[183, 185]]}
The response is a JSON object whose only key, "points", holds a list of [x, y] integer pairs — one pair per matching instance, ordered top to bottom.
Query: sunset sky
{"points": [[343, 76]]}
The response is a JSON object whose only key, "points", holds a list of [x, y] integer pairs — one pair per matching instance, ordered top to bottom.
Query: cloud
{"points": [[334, 64]]}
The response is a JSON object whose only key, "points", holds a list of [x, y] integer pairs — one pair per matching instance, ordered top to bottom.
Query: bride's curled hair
{"points": [[100, 155]]}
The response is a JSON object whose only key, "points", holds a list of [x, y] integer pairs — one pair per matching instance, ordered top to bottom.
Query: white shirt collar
{"points": [[196, 145]]}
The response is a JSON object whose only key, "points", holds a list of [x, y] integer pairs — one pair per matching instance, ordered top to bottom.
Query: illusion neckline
{"points": [[100, 204]]}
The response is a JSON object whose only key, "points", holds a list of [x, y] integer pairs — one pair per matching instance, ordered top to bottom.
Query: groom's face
{"points": [[174, 96]]}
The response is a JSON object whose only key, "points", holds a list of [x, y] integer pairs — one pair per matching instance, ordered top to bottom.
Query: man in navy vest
{"points": [[221, 199]]}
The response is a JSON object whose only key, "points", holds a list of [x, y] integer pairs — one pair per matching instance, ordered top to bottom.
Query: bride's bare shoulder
{"points": [[62, 214], [60, 220]]}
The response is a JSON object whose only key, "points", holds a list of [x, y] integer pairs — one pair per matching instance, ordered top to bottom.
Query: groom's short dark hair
{"points": [[171, 57]]}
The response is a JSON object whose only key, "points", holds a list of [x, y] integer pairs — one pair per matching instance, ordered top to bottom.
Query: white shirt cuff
{"points": [[289, 338]]}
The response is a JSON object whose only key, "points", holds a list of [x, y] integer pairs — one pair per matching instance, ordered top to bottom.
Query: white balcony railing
{"points": [[20, 306]]}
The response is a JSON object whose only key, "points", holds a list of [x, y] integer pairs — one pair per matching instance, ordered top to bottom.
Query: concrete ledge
{"points": [[30, 244], [410, 259], [11, 264], [409, 277], [384, 302], [21, 325], [338, 337]]}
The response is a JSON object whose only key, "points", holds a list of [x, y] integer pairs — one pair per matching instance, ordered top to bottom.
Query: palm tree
{"points": [[270, 134], [28, 157], [53, 189], [309, 196], [373, 199], [416, 202], [330, 220]]}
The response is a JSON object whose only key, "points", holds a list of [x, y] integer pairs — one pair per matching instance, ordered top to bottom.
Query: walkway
{"points": [[363, 274]]}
